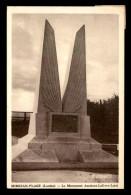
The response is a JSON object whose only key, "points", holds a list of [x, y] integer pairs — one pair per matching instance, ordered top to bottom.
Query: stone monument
{"points": [[62, 128]]}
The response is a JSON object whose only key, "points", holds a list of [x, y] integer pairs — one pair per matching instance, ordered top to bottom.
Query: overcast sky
{"points": [[101, 53]]}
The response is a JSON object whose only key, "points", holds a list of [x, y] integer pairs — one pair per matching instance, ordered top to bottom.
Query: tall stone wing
{"points": [[49, 90], [74, 100]]}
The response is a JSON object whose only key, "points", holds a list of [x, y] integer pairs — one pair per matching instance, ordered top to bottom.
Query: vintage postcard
{"points": [[65, 98]]}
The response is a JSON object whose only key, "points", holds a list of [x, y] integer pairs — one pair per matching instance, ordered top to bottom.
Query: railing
{"points": [[19, 116]]}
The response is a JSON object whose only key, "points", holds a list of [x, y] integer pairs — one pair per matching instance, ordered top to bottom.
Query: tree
{"points": [[104, 119]]}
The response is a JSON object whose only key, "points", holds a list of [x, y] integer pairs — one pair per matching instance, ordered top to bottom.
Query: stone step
{"points": [[63, 142], [39, 156], [97, 156], [48, 159], [63, 165]]}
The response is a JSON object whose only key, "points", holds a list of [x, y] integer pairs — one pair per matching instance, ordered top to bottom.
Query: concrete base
{"points": [[63, 152]]}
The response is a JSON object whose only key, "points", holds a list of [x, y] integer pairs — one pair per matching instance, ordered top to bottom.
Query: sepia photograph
{"points": [[65, 98]]}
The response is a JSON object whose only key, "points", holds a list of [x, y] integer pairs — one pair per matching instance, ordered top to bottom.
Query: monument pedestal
{"points": [[60, 151]]}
